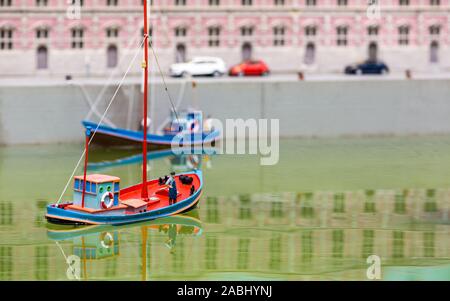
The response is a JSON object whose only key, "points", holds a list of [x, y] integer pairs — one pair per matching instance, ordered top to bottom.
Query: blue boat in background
{"points": [[189, 125]]}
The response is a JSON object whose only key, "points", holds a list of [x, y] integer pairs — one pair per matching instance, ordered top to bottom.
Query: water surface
{"points": [[318, 214]]}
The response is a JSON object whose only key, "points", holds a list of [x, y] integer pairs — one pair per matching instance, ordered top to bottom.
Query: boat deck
{"points": [[159, 194]]}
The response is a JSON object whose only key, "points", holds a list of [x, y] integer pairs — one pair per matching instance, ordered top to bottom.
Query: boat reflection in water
{"points": [[178, 161], [89, 244]]}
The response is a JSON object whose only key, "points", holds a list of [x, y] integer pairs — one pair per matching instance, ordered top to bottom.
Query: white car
{"points": [[199, 66]]}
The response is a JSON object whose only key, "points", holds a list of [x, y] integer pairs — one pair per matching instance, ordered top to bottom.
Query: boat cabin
{"points": [[186, 121], [99, 188]]}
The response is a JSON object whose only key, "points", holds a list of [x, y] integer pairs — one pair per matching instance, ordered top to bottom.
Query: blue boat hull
{"points": [[109, 136], [56, 214]]}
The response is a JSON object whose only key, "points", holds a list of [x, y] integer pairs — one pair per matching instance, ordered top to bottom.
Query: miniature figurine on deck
{"points": [[171, 183]]}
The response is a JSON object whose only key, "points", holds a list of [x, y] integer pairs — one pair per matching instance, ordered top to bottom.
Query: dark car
{"points": [[368, 67]]}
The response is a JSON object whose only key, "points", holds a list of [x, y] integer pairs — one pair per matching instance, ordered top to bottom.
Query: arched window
{"points": [[246, 51], [373, 52], [434, 52], [180, 53], [310, 54], [112, 56], [42, 57]]}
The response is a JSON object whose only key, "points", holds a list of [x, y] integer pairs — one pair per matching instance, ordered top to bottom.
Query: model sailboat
{"points": [[98, 199]]}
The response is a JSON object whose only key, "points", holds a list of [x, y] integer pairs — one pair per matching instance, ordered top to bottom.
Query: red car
{"points": [[250, 68]]}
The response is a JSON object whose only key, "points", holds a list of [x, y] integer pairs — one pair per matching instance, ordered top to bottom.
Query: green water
{"points": [[318, 214]]}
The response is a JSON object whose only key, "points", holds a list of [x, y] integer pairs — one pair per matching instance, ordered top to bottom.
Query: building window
{"points": [[5, 2], [41, 2], [76, 2], [112, 2], [180, 2], [214, 2], [247, 2], [279, 2], [311, 2], [342, 2], [403, 2], [435, 2], [434, 30], [180, 31], [246, 31], [310, 31], [372, 31], [112, 32], [41, 33], [341, 33], [150, 35], [278, 35], [403, 35], [214, 36], [6, 38], [77, 38], [246, 51], [373, 52], [434, 52], [310, 54], [112, 56], [430, 201], [369, 202], [339, 203], [399, 203], [307, 205], [245, 208], [212, 210], [276, 210], [6, 216], [307, 243], [338, 243], [368, 243], [398, 244], [428, 244], [211, 250], [243, 253], [275, 253], [6, 262], [41, 262]]}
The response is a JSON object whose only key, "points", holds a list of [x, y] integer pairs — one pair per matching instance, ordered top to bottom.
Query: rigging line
{"points": [[164, 82], [101, 120]]}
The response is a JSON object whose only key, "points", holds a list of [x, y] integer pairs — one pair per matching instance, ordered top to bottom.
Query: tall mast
{"points": [[144, 193]]}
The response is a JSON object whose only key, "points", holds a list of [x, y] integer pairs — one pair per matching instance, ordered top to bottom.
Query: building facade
{"points": [[96, 37]]}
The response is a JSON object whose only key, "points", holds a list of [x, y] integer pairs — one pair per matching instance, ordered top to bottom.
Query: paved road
{"points": [[39, 81]]}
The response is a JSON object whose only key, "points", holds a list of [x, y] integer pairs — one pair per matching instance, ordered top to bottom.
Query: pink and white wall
{"points": [[290, 35]]}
